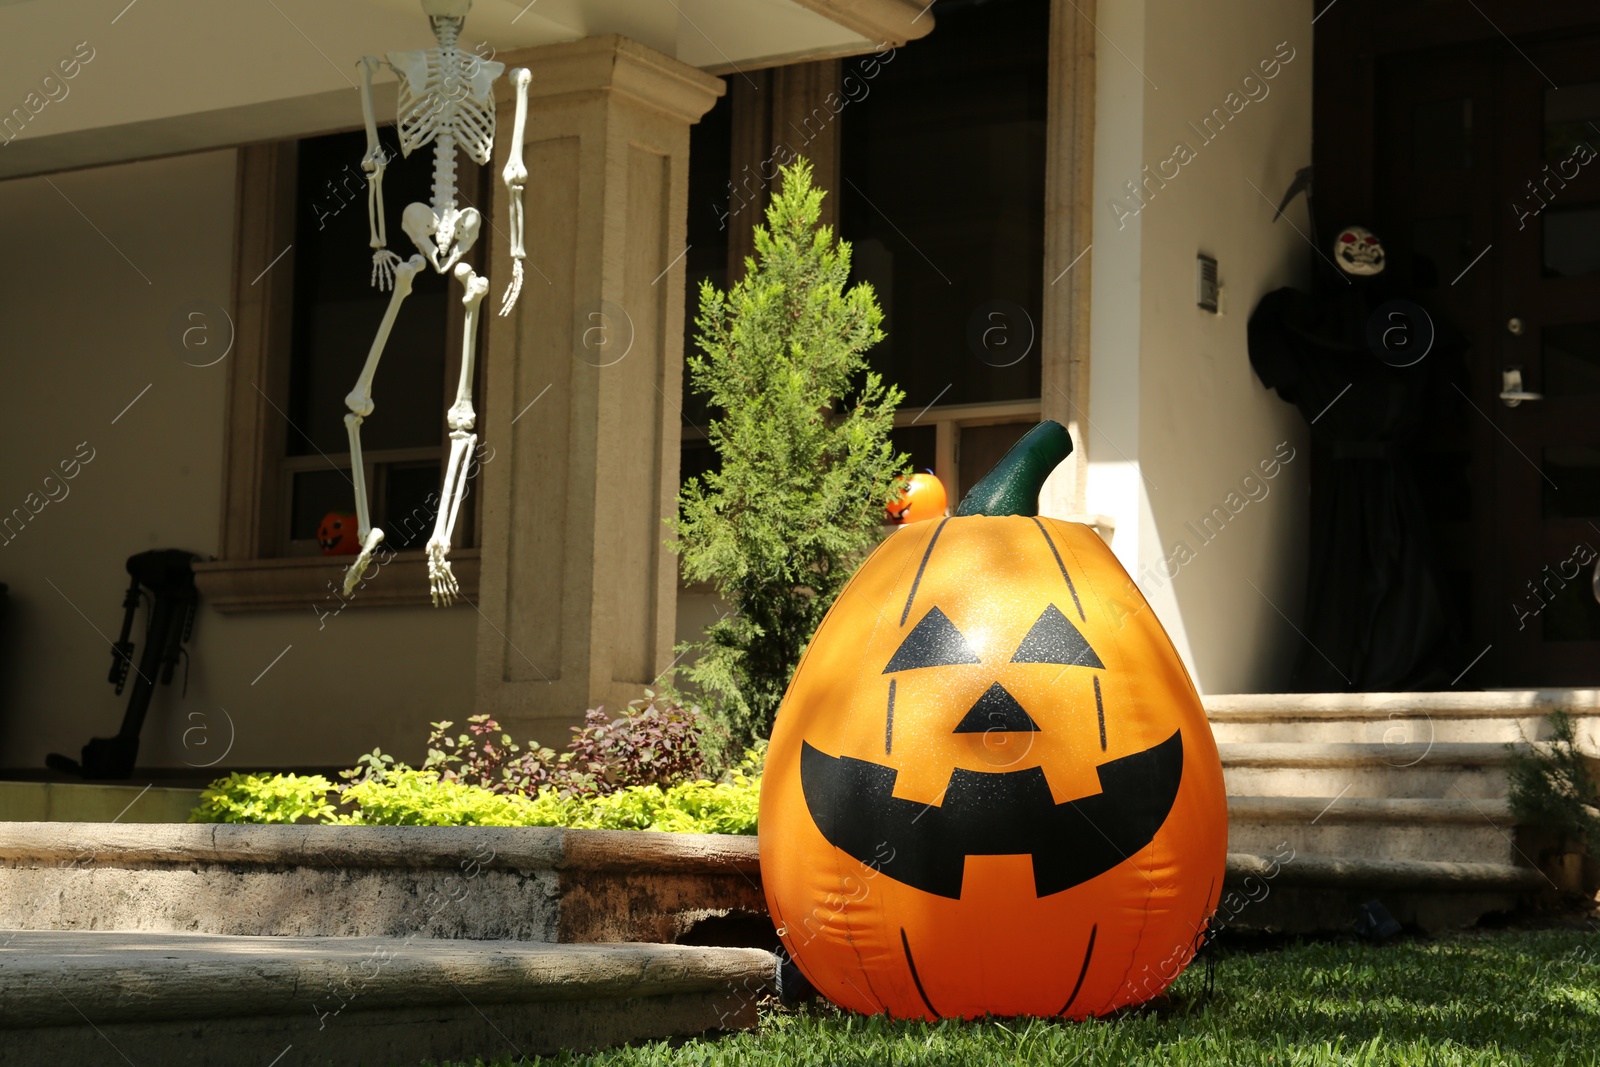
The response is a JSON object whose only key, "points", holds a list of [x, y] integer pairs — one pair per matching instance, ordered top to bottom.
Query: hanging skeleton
{"points": [[446, 98]]}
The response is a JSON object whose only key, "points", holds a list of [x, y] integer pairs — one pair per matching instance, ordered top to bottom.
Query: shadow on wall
{"points": [[1230, 560]]}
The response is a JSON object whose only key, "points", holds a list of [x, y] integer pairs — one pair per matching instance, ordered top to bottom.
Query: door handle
{"points": [[1511, 391]]}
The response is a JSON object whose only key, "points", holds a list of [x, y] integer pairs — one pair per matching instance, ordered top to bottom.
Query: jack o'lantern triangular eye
{"points": [[1053, 639], [933, 642]]}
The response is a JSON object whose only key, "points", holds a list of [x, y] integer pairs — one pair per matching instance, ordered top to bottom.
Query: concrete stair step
{"points": [[1495, 717], [1385, 730], [1312, 769], [1374, 828], [1310, 869], [486, 883], [1300, 892], [92, 997]]}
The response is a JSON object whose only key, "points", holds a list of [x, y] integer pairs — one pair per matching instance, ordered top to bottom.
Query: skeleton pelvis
{"points": [[443, 237]]}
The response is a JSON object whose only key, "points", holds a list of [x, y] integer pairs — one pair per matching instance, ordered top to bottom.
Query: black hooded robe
{"points": [[1375, 619]]}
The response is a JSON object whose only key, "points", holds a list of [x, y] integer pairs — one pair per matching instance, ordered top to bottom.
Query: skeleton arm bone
{"points": [[516, 175], [383, 260]]}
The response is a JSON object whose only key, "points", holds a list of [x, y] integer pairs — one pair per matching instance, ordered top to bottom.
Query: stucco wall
{"points": [[85, 304], [1180, 419]]}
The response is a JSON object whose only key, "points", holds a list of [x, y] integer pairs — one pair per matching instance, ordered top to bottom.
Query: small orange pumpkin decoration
{"points": [[923, 498], [337, 534], [991, 787]]}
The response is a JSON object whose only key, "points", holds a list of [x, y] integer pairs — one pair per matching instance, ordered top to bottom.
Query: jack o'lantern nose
{"points": [[997, 710]]}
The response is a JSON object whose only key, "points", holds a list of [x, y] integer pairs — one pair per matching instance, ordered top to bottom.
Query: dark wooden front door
{"points": [[1482, 151], [1546, 307]]}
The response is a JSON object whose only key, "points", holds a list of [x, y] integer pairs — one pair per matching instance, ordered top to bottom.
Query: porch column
{"points": [[1068, 232], [582, 386]]}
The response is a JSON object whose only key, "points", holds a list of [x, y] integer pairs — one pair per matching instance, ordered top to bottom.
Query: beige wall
{"points": [[82, 331], [1179, 416]]}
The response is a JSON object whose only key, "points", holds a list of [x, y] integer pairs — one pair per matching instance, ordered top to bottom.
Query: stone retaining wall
{"points": [[512, 883]]}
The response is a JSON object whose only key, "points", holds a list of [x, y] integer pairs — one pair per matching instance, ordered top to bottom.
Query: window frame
{"points": [[254, 570]]}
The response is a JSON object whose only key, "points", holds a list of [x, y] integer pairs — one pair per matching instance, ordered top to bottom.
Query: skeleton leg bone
{"points": [[359, 401], [461, 419]]}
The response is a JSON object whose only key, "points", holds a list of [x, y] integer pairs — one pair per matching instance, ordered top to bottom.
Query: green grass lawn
{"points": [[1493, 998]]}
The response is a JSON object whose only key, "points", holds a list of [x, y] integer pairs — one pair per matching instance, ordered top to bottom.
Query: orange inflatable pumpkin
{"points": [[922, 498], [337, 535], [991, 788]]}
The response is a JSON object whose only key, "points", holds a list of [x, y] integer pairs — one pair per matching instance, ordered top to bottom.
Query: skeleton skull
{"points": [[1357, 250]]}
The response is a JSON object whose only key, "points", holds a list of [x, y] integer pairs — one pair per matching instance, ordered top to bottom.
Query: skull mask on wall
{"points": [[1358, 251]]}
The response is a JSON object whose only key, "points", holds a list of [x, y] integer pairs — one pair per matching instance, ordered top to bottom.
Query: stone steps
{"points": [[1402, 718], [1328, 769], [1399, 796], [1377, 828], [1303, 893], [355, 944], [180, 999]]}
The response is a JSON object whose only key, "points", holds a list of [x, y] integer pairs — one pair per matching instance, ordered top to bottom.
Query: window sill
{"points": [[233, 586]]}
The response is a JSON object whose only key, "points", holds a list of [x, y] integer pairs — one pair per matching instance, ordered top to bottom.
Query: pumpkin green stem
{"points": [[1012, 487]]}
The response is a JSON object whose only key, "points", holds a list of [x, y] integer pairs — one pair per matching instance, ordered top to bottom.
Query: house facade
{"points": [[1040, 191]]}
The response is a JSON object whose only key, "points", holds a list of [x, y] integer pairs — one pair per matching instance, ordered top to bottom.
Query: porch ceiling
{"points": [[171, 76]]}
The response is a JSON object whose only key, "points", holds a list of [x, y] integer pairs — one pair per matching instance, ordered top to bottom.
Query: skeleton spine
{"points": [[444, 172]]}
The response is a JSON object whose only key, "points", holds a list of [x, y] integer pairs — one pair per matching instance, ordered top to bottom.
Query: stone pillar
{"points": [[1068, 231], [578, 593]]}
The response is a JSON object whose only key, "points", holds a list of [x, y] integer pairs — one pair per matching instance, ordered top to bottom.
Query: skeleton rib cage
{"points": [[446, 96]]}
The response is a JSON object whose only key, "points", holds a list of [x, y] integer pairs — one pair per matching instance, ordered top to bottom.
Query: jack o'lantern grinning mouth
{"points": [[1005, 813]]}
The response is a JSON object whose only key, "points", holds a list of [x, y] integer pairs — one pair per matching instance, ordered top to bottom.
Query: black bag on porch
{"points": [[168, 575]]}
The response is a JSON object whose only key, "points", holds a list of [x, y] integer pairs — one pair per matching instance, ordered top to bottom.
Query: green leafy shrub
{"points": [[800, 494], [655, 742], [477, 758], [1554, 789], [391, 794], [408, 797], [266, 798], [703, 807]]}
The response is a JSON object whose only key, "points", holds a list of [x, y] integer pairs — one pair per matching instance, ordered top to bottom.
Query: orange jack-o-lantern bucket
{"points": [[922, 498], [337, 534], [991, 788]]}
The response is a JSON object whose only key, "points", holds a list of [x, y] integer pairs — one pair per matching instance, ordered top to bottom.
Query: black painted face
{"points": [[1003, 813]]}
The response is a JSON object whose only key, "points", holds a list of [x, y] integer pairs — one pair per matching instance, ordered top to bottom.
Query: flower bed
{"points": [[644, 770], [408, 797]]}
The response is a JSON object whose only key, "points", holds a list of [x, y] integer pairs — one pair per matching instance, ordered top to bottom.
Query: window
{"points": [[940, 188], [942, 195], [307, 315]]}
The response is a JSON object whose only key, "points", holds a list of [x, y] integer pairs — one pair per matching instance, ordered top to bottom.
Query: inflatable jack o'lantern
{"points": [[991, 788]]}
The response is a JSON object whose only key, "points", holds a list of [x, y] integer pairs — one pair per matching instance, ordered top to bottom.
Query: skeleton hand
{"points": [[383, 264], [512, 290]]}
